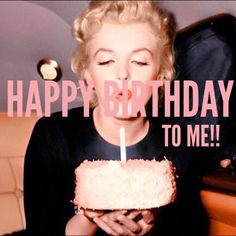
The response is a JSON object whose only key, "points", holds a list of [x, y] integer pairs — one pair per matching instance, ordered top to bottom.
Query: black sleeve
{"points": [[46, 197]]}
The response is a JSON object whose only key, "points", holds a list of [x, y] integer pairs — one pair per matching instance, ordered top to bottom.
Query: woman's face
{"points": [[123, 52]]}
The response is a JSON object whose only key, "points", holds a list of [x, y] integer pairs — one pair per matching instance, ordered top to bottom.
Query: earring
{"points": [[162, 77]]}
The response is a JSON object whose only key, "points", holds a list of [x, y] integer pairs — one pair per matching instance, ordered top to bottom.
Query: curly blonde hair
{"points": [[123, 12]]}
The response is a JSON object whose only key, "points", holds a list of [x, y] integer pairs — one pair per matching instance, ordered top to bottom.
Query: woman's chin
{"points": [[121, 112], [128, 116], [123, 117]]}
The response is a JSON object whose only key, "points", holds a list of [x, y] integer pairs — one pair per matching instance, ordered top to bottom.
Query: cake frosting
{"points": [[135, 184]]}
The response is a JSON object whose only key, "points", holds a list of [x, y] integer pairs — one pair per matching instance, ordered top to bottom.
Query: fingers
{"points": [[225, 163], [92, 213], [134, 215], [148, 216], [147, 221], [136, 222], [109, 224], [129, 224], [104, 226], [116, 226], [145, 227]]}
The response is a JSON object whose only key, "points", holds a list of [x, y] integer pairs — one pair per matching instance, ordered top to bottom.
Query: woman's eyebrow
{"points": [[142, 49], [103, 50], [134, 51]]}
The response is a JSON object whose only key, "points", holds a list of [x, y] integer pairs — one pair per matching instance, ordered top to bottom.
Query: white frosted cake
{"points": [[135, 184]]}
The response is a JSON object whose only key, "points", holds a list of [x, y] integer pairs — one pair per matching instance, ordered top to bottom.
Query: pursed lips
{"points": [[120, 96]]}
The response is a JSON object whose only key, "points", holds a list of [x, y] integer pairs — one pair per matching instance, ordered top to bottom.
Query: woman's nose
{"points": [[123, 73], [123, 77]]}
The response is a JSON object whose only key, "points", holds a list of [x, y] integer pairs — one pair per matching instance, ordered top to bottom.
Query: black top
{"points": [[59, 144]]}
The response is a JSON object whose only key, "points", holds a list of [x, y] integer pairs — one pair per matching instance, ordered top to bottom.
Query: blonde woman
{"points": [[118, 40], [121, 40]]}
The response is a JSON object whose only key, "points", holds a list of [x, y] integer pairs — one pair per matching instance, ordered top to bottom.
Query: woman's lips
{"points": [[120, 97]]}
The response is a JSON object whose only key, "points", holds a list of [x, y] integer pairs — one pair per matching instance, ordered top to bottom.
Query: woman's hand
{"points": [[225, 163], [229, 163], [91, 214], [82, 223], [127, 223]]}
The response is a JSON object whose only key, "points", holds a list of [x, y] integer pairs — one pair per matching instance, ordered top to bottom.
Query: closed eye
{"points": [[104, 62], [140, 63]]}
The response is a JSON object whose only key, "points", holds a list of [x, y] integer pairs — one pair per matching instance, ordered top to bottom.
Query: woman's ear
{"points": [[87, 76], [160, 77]]}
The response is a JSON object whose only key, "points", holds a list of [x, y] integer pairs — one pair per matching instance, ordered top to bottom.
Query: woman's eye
{"points": [[105, 62], [140, 63]]}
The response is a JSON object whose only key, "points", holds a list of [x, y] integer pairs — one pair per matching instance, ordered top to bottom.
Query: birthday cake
{"points": [[134, 184]]}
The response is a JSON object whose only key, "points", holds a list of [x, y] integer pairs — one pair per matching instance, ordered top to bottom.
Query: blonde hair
{"points": [[123, 12]]}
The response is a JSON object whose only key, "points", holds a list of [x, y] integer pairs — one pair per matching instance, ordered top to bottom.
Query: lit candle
{"points": [[122, 144]]}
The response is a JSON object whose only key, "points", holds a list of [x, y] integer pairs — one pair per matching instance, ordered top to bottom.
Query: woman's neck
{"points": [[108, 127]]}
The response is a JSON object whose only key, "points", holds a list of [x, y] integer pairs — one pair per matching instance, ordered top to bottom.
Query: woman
{"points": [[118, 40], [116, 46]]}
